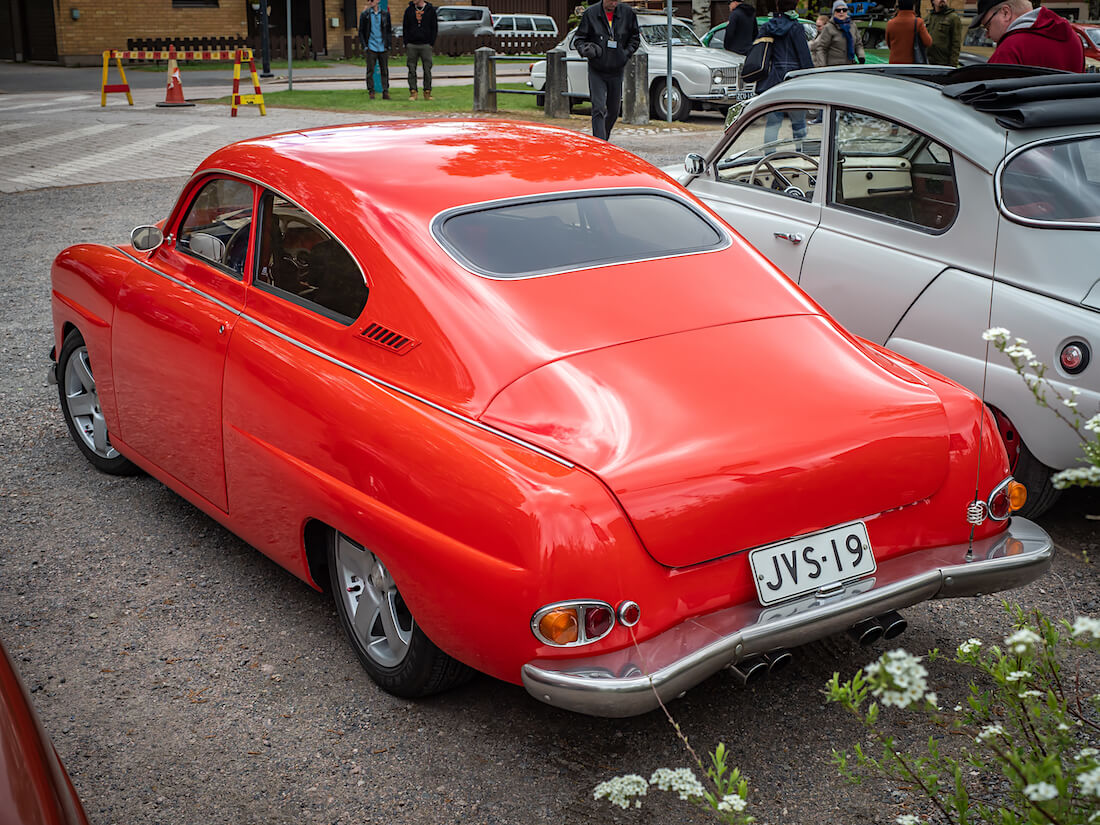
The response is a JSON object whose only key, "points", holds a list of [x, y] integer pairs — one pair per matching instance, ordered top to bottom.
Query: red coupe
{"points": [[528, 408]]}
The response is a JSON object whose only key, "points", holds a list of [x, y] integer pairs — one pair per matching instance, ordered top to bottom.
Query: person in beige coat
{"points": [[839, 42]]}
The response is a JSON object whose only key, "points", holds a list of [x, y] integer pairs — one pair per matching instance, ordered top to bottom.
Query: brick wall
{"points": [[105, 24]]}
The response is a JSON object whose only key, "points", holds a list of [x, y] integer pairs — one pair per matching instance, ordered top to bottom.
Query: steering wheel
{"points": [[779, 180], [237, 247]]}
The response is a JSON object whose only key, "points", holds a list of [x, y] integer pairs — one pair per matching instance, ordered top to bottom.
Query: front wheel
{"points": [[659, 104], [79, 398], [391, 646]]}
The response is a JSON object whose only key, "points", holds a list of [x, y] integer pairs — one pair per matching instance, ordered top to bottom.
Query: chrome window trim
{"points": [[998, 174], [437, 221], [375, 380]]}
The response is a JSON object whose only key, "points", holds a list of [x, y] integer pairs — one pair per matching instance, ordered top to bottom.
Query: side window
{"points": [[506, 24], [525, 24], [545, 24], [779, 151], [885, 169], [217, 226], [299, 260]]}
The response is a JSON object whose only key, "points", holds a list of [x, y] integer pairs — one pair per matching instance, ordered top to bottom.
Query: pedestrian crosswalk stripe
{"points": [[61, 137]]}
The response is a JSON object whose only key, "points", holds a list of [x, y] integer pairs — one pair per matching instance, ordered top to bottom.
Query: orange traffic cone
{"points": [[173, 95]]}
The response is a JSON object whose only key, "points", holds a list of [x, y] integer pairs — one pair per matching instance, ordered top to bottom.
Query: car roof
{"points": [[913, 94]]}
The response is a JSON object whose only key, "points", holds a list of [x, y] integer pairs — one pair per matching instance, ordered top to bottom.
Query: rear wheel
{"points": [[659, 104], [80, 405], [1027, 469], [391, 646]]}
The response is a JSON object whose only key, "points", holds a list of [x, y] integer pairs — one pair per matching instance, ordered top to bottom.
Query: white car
{"points": [[702, 78], [921, 206]]}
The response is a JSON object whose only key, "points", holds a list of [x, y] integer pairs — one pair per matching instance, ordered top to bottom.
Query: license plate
{"points": [[743, 94], [805, 564]]}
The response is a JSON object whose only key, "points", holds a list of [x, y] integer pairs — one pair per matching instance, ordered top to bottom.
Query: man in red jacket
{"points": [[1030, 37]]}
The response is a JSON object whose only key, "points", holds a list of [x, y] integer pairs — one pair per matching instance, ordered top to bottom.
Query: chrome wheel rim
{"points": [[663, 101], [82, 405], [380, 621]]}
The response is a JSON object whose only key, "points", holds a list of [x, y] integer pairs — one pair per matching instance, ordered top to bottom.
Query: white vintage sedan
{"points": [[702, 78], [920, 206]]}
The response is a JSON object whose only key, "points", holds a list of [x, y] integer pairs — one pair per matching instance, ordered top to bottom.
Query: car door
{"points": [[764, 183], [892, 197], [174, 318]]}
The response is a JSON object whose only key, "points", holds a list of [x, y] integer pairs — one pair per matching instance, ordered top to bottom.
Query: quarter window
{"points": [[889, 171], [1055, 183], [218, 224], [299, 260]]}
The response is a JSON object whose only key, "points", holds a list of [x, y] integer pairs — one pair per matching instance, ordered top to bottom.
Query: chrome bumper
{"points": [[628, 682]]}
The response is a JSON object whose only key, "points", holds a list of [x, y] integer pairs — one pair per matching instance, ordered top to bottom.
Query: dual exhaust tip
{"points": [[887, 626]]}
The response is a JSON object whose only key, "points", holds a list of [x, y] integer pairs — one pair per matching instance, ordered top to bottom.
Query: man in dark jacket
{"points": [[946, 28], [741, 29], [419, 30], [376, 36], [607, 37], [1030, 37], [790, 51]]}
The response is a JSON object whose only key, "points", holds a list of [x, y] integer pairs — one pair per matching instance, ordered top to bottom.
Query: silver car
{"points": [[701, 77], [921, 206]]}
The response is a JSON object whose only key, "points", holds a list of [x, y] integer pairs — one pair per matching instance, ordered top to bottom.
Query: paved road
{"points": [[185, 679]]}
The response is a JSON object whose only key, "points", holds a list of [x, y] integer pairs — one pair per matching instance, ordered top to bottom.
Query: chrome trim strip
{"points": [[998, 173], [437, 221], [378, 382], [616, 684]]}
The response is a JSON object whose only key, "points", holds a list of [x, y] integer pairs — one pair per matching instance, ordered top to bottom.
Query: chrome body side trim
{"points": [[378, 382], [628, 682]]}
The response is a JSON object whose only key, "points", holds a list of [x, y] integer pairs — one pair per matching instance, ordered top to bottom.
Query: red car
{"points": [[1090, 39], [526, 407], [34, 788]]}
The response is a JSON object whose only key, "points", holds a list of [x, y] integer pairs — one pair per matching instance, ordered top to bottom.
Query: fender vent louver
{"points": [[389, 339]]}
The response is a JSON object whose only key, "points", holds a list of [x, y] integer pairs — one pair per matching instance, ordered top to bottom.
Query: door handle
{"points": [[793, 237]]}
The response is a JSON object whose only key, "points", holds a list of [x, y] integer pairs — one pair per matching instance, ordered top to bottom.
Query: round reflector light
{"points": [[1074, 357], [629, 613]]}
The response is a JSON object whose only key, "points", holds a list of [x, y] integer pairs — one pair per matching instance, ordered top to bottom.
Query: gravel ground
{"points": [[185, 678]]}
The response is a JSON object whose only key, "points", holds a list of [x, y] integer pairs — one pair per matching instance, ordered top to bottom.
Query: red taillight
{"points": [[1074, 357], [575, 622], [597, 622]]}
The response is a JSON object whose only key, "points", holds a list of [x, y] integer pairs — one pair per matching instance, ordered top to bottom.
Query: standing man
{"points": [[946, 28], [741, 29], [419, 30], [902, 32], [376, 36], [607, 37], [1030, 37], [790, 52]]}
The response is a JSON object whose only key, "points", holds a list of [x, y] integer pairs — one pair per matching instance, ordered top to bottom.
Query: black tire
{"points": [[681, 105], [79, 400], [1035, 475], [400, 659]]}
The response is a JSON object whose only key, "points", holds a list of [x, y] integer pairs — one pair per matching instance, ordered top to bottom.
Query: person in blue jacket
{"points": [[376, 37], [790, 51]]}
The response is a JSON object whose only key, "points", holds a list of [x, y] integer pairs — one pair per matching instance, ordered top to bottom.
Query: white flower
{"points": [[997, 334], [1019, 351], [1069, 402], [1093, 423], [1081, 476], [1083, 625], [1022, 640], [969, 646], [1017, 675], [898, 677], [1031, 694], [933, 700], [958, 708], [1063, 726], [988, 732], [1085, 753], [680, 780], [1090, 782], [619, 790], [1041, 791], [732, 802], [907, 819]]}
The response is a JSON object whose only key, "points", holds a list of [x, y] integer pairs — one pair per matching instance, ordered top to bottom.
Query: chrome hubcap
{"points": [[82, 403], [381, 621]]}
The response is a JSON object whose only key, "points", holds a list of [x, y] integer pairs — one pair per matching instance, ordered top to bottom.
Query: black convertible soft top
{"points": [[1019, 97]]}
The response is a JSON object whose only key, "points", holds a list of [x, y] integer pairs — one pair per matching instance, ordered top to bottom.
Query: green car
{"points": [[713, 38]]}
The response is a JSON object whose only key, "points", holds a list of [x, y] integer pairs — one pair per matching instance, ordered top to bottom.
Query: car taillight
{"points": [[1008, 497], [573, 623]]}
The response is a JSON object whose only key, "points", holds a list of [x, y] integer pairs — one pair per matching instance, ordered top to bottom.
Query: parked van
{"points": [[464, 19], [524, 24]]}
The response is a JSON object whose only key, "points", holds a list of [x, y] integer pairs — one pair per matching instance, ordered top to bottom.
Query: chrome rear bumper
{"points": [[628, 682]]}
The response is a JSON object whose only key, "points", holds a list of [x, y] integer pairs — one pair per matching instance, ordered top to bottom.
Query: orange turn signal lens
{"points": [[1017, 495], [559, 626]]}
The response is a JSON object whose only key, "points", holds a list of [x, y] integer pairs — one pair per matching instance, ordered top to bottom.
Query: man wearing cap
{"points": [[741, 29], [1030, 37], [839, 42]]}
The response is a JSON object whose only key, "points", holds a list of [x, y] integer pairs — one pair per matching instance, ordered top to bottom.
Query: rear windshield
{"points": [[1057, 183], [521, 239]]}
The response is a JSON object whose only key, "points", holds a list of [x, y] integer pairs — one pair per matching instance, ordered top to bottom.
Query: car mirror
{"points": [[694, 164], [146, 238]]}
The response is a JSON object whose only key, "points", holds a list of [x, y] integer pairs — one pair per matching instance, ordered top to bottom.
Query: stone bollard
{"points": [[485, 80], [636, 89], [555, 103]]}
